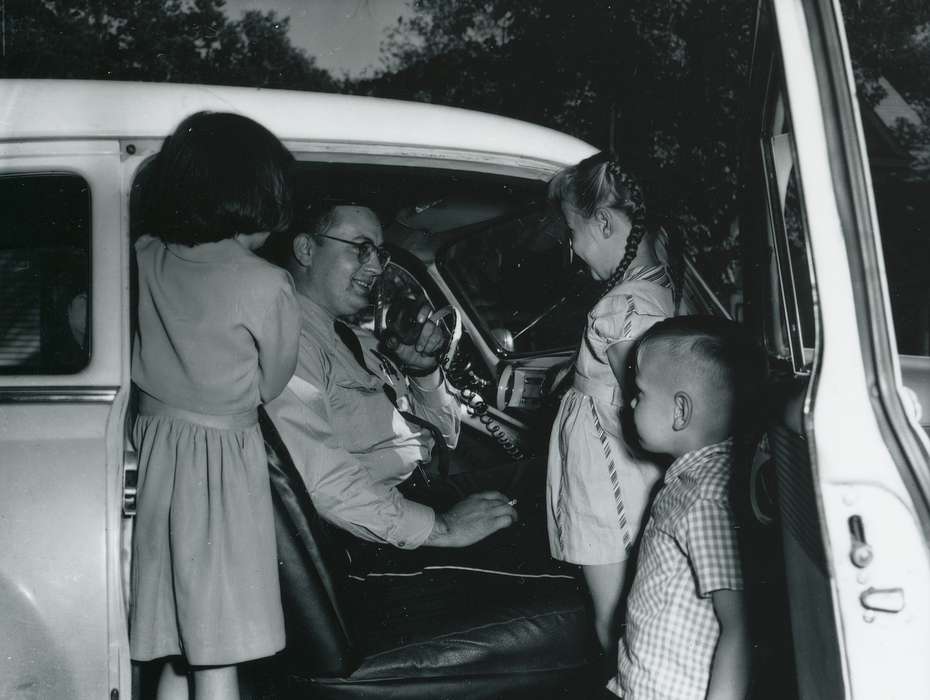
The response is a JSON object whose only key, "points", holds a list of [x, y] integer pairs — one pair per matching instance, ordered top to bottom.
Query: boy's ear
{"points": [[303, 249], [683, 409]]}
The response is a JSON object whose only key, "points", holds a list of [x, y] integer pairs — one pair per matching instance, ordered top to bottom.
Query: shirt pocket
{"points": [[363, 414]]}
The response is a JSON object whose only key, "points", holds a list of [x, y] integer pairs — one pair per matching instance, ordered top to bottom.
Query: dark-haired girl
{"points": [[217, 335], [597, 490]]}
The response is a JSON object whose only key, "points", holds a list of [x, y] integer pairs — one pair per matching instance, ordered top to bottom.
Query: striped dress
{"points": [[596, 491]]}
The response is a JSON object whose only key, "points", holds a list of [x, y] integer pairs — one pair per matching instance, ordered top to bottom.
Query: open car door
{"points": [[852, 464]]}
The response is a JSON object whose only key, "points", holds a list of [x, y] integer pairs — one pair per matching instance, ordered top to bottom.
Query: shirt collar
{"points": [[225, 250], [649, 273], [316, 320], [690, 460]]}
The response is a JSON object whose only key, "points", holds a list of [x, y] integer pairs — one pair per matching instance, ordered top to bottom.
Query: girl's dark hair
{"points": [[217, 175]]}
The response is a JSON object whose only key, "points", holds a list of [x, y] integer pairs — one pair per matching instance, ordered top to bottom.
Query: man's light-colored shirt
{"points": [[349, 442], [689, 550]]}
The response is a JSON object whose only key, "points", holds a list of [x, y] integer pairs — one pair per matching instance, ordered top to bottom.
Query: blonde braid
{"points": [[635, 208]]}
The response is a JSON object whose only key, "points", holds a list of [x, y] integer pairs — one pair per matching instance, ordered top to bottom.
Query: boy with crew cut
{"points": [[697, 380]]}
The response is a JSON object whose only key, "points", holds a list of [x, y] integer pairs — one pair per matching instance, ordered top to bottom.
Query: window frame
{"points": [[87, 272], [784, 336]]}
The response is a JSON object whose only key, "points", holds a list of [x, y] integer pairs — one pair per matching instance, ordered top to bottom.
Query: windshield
{"points": [[518, 278]]}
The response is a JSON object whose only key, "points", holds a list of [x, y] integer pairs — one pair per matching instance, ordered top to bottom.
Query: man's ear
{"points": [[303, 249], [683, 409]]}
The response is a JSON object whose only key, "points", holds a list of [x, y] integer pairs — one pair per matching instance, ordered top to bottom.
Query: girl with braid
{"points": [[597, 491]]}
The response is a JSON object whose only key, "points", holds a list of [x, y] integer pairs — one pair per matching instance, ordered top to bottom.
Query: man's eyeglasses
{"points": [[364, 249]]}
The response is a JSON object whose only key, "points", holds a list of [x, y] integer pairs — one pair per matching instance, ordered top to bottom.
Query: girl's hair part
{"points": [[217, 175], [599, 182]]}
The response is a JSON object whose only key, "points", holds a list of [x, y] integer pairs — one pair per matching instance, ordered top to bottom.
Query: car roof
{"points": [[64, 109]]}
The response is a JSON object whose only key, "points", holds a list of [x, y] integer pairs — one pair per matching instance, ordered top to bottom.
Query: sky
{"points": [[343, 35]]}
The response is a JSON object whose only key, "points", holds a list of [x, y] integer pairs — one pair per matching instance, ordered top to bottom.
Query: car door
{"points": [[63, 389], [851, 459]]}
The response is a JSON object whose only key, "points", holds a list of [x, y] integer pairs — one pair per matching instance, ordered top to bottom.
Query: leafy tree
{"points": [[154, 40], [889, 43]]}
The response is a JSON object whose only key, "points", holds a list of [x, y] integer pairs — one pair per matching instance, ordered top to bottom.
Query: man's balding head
{"points": [[323, 257]]}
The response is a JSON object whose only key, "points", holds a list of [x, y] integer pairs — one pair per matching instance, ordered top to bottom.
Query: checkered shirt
{"points": [[689, 550]]}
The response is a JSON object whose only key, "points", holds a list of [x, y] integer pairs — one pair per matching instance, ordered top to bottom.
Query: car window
{"points": [[889, 45], [44, 274], [522, 285], [789, 330]]}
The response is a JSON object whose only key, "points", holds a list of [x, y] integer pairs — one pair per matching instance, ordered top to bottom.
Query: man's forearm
{"points": [[430, 382], [433, 400], [439, 534]]}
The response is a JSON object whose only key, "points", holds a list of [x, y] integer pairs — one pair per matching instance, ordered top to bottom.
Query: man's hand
{"points": [[421, 356], [472, 519]]}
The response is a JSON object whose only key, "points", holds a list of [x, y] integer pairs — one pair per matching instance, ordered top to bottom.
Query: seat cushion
{"points": [[449, 633]]}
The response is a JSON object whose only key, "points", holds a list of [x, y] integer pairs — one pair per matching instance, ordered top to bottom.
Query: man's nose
{"points": [[373, 265]]}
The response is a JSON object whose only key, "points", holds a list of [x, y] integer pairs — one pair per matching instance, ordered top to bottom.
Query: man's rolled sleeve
{"points": [[439, 406], [341, 488]]}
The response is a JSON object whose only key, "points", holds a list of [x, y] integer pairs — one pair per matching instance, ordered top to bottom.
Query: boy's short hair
{"points": [[217, 175], [722, 353]]}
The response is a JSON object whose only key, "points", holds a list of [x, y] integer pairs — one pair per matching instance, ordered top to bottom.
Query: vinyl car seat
{"points": [[438, 634]]}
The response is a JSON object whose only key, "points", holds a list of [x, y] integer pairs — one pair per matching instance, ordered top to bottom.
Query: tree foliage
{"points": [[154, 40], [889, 43], [663, 83]]}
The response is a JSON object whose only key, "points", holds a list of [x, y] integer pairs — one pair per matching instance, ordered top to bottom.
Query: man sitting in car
{"points": [[355, 426]]}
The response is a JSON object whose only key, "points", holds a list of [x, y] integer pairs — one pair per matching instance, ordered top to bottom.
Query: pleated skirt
{"points": [[204, 567]]}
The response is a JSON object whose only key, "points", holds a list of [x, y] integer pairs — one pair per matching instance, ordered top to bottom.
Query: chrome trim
{"points": [[701, 291], [58, 394]]}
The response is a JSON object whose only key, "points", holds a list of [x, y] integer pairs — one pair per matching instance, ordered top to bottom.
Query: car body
{"points": [[849, 453], [65, 498]]}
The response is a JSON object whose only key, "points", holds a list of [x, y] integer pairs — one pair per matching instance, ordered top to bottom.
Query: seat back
{"points": [[312, 570]]}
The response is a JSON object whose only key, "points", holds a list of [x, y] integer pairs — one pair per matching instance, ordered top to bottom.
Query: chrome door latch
{"points": [[130, 482], [860, 553], [889, 600]]}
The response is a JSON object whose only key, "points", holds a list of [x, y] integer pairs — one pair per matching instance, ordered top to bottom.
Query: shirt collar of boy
{"points": [[692, 459]]}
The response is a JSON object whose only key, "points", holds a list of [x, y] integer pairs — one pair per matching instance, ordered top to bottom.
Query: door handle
{"points": [[130, 482], [890, 600]]}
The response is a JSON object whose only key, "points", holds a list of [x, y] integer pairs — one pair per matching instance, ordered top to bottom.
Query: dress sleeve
{"points": [[619, 317], [612, 319], [277, 343], [341, 488], [710, 534]]}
